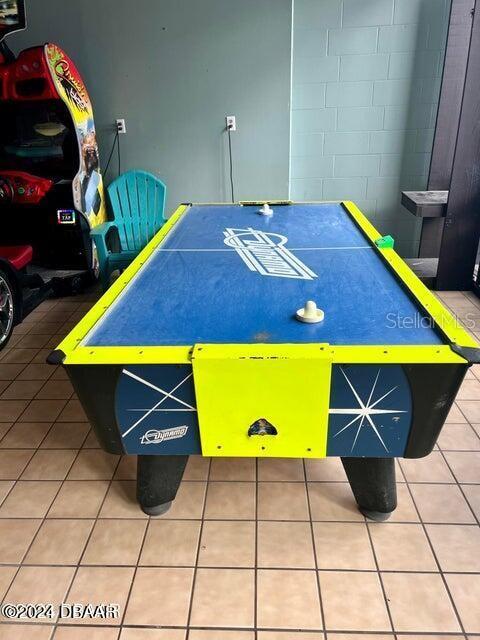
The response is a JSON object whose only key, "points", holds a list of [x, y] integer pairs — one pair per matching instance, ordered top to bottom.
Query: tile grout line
{"points": [[29, 402], [455, 403], [41, 448], [37, 449], [15, 480], [298, 482], [460, 489], [54, 498], [43, 518], [133, 518], [314, 548], [437, 562], [20, 564], [77, 566], [195, 568], [244, 568], [132, 581], [382, 585], [427, 634]]}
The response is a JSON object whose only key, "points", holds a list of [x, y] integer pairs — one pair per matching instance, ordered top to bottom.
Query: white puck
{"points": [[266, 210], [310, 313]]}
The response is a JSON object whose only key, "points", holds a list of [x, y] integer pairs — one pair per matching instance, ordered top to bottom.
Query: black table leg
{"points": [[158, 479], [373, 484]]}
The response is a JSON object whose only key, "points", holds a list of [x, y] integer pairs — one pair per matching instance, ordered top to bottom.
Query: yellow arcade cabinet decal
{"points": [[88, 193]]}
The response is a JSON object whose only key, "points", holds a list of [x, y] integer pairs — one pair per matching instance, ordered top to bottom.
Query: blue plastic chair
{"points": [[137, 201]]}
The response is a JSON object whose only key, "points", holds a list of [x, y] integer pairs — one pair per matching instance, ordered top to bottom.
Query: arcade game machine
{"points": [[51, 188]]}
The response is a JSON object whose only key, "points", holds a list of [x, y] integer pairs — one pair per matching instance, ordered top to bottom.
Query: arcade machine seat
{"points": [[51, 188], [18, 257], [13, 281]]}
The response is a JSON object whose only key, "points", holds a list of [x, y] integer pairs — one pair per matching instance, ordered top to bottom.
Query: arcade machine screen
{"points": [[12, 16], [37, 138]]}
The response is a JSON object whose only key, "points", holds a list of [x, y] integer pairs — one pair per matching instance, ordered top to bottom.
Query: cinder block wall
{"points": [[366, 81]]}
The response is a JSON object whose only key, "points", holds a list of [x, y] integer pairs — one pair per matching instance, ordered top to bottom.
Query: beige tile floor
{"points": [[267, 549]]}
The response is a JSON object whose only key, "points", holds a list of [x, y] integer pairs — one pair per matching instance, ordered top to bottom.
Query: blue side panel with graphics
{"points": [[156, 410], [370, 411]]}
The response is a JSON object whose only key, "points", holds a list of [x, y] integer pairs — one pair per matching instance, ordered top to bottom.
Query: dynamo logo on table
{"points": [[266, 254], [155, 436]]}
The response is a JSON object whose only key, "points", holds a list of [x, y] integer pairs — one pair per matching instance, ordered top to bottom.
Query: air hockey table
{"points": [[197, 349]]}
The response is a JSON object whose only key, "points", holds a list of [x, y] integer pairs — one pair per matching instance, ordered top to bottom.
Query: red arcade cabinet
{"points": [[51, 188]]}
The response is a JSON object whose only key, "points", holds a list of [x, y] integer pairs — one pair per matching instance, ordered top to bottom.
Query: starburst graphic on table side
{"points": [[365, 411]]}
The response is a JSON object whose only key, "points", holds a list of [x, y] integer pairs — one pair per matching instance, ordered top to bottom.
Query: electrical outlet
{"points": [[231, 122], [121, 126]]}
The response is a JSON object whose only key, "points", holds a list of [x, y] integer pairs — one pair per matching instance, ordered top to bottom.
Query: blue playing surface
{"points": [[202, 286]]}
